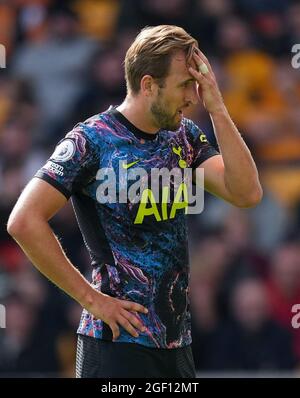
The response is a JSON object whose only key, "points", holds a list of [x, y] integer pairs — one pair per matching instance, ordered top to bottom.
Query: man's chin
{"points": [[176, 126], [172, 127]]}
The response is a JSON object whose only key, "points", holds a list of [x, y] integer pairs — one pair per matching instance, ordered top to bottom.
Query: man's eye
{"points": [[188, 83]]}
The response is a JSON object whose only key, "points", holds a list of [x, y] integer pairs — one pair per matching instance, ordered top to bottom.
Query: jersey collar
{"points": [[131, 127]]}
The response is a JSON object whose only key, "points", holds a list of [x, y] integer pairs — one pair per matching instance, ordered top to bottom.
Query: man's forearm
{"points": [[240, 176], [39, 243]]}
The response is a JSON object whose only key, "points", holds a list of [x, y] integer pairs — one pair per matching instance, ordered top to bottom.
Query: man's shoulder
{"points": [[98, 121], [96, 127]]}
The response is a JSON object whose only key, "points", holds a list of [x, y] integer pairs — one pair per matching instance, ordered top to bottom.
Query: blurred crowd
{"points": [[64, 64]]}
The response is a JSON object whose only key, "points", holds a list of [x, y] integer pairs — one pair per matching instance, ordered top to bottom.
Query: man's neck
{"points": [[136, 113]]}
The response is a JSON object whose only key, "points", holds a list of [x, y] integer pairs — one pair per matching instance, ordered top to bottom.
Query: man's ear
{"points": [[147, 85]]}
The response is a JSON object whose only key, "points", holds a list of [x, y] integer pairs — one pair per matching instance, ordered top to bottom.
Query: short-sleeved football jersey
{"points": [[138, 249]]}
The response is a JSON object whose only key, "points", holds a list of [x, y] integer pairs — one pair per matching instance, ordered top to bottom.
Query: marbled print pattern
{"points": [[148, 262]]}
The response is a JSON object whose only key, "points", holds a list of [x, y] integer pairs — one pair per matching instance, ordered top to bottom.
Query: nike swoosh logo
{"points": [[127, 165]]}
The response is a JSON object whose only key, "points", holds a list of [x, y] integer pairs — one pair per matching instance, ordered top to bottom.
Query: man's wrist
{"points": [[219, 111], [89, 296], [87, 299]]}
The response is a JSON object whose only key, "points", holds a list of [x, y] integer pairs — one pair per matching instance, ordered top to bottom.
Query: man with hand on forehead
{"points": [[136, 318]]}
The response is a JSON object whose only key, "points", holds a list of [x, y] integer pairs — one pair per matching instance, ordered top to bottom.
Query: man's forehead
{"points": [[179, 64]]}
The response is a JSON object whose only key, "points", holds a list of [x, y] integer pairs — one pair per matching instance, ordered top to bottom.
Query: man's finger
{"points": [[200, 54], [201, 59], [203, 68], [197, 74], [204, 80], [128, 305], [133, 320], [127, 326], [115, 330]]}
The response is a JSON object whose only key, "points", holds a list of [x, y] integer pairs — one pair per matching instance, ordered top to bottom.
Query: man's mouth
{"points": [[180, 110]]}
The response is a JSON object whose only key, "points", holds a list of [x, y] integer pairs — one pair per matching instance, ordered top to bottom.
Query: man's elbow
{"points": [[251, 200], [17, 225]]}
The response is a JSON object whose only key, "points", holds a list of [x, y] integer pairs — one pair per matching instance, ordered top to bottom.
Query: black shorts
{"points": [[104, 359]]}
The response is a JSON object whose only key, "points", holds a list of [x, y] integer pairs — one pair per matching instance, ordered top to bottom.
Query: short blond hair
{"points": [[151, 53]]}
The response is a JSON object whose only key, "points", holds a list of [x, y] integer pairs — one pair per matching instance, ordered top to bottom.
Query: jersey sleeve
{"points": [[202, 148], [72, 164]]}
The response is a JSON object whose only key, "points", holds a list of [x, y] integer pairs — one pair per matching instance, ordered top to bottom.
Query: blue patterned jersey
{"points": [[139, 252]]}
